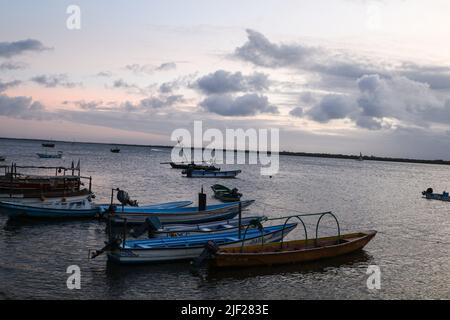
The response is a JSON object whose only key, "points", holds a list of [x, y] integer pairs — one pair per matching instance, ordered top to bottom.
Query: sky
{"points": [[334, 76]]}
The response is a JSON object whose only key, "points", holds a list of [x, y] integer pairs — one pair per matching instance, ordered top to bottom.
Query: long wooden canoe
{"points": [[289, 252]]}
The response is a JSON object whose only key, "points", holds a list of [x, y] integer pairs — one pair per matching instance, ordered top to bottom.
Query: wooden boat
{"points": [[48, 145], [115, 150], [57, 155], [189, 173], [31, 188], [226, 194], [429, 194], [156, 206], [62, 210], [186, 215], [177, 230], [184, 248], [288, 252]]}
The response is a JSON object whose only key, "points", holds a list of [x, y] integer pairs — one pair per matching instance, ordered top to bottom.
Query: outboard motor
{"points": [[428, 191], [124, 198], [201, 201], [150, 225], [210, 249]]}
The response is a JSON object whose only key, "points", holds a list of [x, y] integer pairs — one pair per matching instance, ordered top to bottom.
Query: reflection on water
{"points": [[411, 247]]}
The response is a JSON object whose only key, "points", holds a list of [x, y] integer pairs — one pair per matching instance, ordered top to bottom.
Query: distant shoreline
{"points": [[284, 153]]}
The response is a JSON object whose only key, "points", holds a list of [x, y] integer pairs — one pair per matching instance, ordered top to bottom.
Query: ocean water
{"points": [[412, 247]]}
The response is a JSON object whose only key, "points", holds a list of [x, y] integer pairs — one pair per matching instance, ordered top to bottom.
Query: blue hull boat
{"points": [[144, 208], [69, 211], [187, 215], [189, 247]]}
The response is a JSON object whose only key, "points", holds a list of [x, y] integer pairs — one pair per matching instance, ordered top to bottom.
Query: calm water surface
{"points": [[412, 247]]}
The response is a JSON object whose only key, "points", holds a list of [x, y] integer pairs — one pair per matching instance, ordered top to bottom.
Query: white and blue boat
{"points": [[155, 206], [61, 210], [185, 215], [155, 229], [188, 247]]}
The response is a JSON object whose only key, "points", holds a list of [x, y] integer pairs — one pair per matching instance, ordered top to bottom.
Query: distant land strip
{"points": [[284, 153]]}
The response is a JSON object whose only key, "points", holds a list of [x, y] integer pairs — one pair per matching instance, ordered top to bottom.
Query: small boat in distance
{"points": [[48, 145], [115, 150], [46, 155], [360, 157], [2, 158], [192, 165], [190, 173], [226, 194], [429, 194]]}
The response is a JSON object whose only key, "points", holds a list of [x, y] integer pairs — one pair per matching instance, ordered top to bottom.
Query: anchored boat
{"points": [[46, 155], [193, 166], [190, 173], [226, 194], [429, 194], [71, 210], [186, 215], [185, 247], [289, 252]]}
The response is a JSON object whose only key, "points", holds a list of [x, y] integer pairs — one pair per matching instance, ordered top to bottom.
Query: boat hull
{"points": [[211, 174], [161, 206], [14, 210], [184, 215], [184, 252], [292, 252]]}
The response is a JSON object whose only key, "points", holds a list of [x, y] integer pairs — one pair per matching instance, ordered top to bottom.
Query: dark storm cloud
{"points": [[10, 49], [55, 80], [223, 81], [5, 85], [246, 105], [20, 107]]}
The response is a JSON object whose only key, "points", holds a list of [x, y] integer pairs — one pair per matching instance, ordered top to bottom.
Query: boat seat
{"points": [[205, 229]]}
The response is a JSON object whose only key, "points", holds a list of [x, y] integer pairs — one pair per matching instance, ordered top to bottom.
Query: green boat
{"points": [[226, 194]]}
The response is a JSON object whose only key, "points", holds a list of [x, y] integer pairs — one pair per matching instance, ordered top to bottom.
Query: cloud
{"points": [[10, 49], [260, 51], [10, 65], [166, 66], [149, 69], [105, 74], [56, 80], [223, 81], [5, 85], [379, 99], [160, 102], [246, 105], [333, 106], [21, 107], [297, 112]]}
